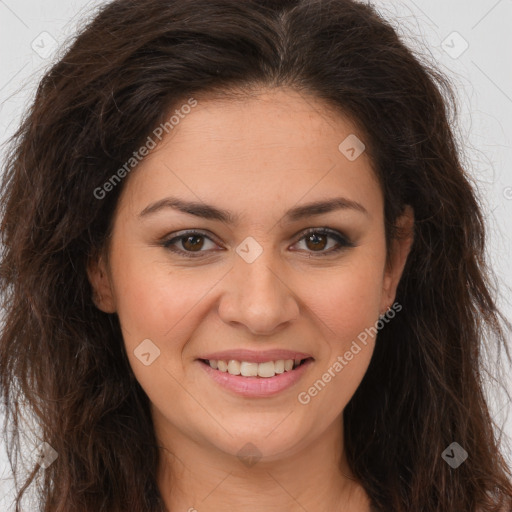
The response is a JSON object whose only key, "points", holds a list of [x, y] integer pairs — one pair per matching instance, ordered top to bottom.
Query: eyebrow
{"points": [[210, 212]]}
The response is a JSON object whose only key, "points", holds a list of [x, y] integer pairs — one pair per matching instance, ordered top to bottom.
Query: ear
{"points": [[400, 248], [99, 277]]}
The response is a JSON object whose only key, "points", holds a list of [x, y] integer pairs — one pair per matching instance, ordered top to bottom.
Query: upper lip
{"points": [[252, 356]]}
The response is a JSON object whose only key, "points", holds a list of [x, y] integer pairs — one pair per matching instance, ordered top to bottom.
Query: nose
{"points": [[258, 297]]}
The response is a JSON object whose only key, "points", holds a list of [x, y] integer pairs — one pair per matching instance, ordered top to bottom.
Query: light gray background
{"points": [[31, 33]]}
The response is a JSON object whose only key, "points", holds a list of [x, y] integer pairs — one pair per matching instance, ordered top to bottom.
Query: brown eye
{"points": [[317, 241], [192, 242]]}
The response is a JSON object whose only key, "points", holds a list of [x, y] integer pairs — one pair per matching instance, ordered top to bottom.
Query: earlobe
{"points": [[400, 249], [102, 294]]}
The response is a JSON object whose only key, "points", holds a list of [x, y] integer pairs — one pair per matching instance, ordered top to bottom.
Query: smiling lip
{"points": [[252, 356], [258, 387]]}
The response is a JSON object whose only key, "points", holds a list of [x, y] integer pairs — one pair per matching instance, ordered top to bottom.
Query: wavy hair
{"points": [[64, 360]]}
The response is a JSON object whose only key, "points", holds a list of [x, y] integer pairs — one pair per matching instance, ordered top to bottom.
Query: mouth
{"points": [[251, 369], [251, 379]]}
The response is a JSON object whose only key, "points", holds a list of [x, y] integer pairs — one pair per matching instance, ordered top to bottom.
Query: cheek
{"points": [[348, 299], [152, 301], [158, 302], [161, 305], [348, 308]]}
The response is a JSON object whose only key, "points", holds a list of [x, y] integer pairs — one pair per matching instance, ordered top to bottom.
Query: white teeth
{"points": [[222, 366], [234, 367], [251, 369], [266, 369]]}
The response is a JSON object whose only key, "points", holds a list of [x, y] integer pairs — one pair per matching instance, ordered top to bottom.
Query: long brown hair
{"points": [[65, 360]]}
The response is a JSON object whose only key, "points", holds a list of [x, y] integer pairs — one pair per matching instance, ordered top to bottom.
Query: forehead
{"points": [[265, 151]]}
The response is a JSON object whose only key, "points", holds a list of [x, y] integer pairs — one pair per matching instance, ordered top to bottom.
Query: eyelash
{"points": [[342, 241]]}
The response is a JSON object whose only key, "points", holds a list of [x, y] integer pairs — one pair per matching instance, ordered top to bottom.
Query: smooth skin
{"points": [[258, 157]]}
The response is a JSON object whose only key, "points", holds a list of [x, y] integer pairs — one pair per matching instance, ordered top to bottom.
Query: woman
{"points": [[244, 269]]}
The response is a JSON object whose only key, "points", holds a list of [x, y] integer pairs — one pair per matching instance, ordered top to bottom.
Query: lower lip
{"points": [[257, 386]]}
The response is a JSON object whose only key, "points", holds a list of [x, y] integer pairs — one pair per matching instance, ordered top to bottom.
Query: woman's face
{"points": [[245, 282]]}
